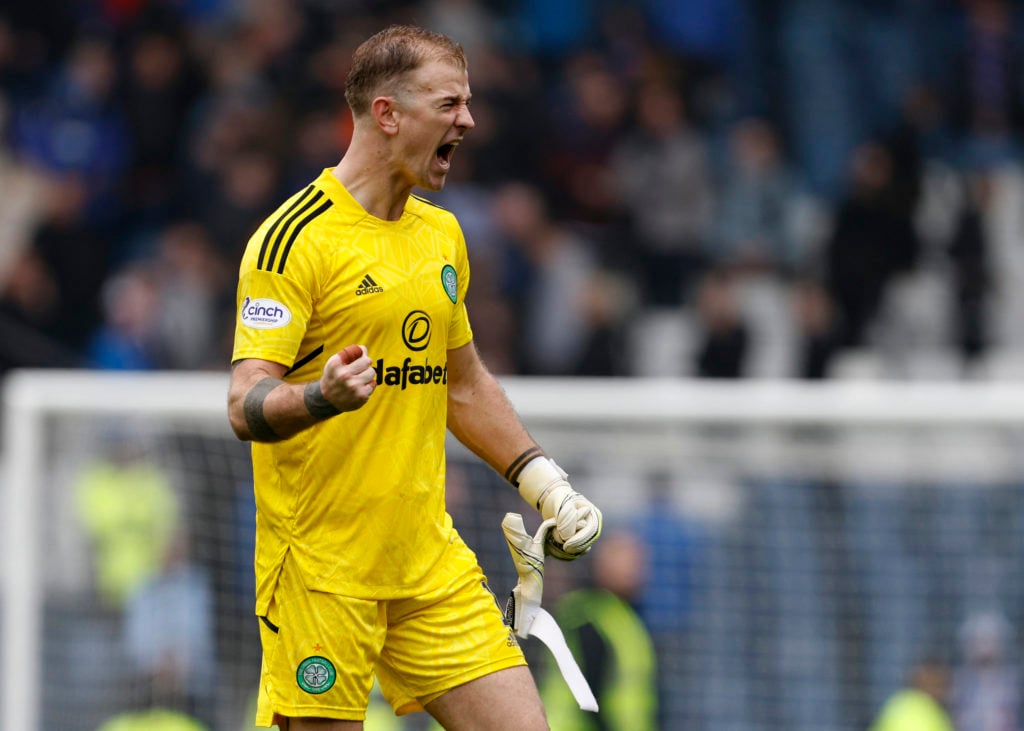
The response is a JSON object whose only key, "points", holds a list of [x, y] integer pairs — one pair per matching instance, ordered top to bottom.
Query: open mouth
{"points": [[445, 153]]}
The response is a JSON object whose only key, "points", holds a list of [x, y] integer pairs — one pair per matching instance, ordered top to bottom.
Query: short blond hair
{"points": [[391, 54]]}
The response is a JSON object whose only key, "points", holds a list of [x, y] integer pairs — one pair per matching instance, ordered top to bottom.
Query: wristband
{"points": [[317, 404], [520, 463]]}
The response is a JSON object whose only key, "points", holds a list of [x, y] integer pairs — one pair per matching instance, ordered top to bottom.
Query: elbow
{"points": [[236, 418], [241, 430]]}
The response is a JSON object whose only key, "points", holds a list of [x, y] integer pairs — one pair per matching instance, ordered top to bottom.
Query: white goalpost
{"points": [[29, 398], [810, 541]]}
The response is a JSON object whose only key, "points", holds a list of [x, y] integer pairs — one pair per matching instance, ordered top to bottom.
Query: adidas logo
{"points": [[368, 286]]}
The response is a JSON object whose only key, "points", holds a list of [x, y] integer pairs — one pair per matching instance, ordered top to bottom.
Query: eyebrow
{"points": [[457, 98]]}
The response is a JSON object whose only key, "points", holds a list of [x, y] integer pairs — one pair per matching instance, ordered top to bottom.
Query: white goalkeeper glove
{"points": [[543, 484], [528, 556], [524, 612]]}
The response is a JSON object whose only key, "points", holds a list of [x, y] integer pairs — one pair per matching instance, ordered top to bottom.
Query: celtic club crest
{"points": [[450, 281], [316, 675]]}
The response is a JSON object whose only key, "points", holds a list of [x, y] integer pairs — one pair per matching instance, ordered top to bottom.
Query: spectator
{"points": [[702, 34], [26, 49], [161, 86], [987, 106], [586, 124], [77, 127], [320, 134], [914, 141], [663, 174], [244, 190], [755, 226], [872, 241], [969, 254], [76, 256], [607, 302], [194, 315], [29, 317], [556, 328], [818, 329], [129, 337], [725, 340], [129, 512], [675, 548], [169, 635], [614, 648], [986, 681], [920, 706]]}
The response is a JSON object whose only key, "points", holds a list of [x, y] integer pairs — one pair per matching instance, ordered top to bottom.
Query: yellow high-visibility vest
{"points": [[628, 693]]}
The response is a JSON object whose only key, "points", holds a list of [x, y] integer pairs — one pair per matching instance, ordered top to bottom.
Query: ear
{"points": [[385, 114]]}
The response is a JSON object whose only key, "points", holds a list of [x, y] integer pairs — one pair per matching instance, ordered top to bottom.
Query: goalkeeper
{"points": [[353, 354]]}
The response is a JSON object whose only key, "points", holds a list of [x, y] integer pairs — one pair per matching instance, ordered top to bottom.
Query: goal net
{"points": [[807, 544]]}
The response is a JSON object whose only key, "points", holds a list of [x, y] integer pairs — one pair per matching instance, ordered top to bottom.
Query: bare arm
{"points": [[263, 408], [481, 416]]}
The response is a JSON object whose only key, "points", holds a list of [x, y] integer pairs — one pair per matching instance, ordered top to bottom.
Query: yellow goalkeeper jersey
{"points": [[357, 499]]}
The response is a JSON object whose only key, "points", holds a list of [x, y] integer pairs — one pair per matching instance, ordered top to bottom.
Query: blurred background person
{"points": [[986, 107], [589, 116], [76, 126], [663, 181], [755, 227], [872, 241], [970, 256], [192, 282], [565, 310], [818, 329], [129, 336], [724, 344], [129, 512], [673, 593], [169, 635], [610, 642], [986, 694], [921, 705]]}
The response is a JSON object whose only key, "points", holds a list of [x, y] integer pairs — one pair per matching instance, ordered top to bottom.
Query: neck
{"points": [[370, 179]]}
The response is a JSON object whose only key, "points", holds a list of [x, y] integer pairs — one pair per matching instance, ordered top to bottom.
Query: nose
{"points": [[464, 120]]}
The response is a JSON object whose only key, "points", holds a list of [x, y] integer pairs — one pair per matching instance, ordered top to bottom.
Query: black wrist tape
{"points": [[317, 404], [512, 473]]}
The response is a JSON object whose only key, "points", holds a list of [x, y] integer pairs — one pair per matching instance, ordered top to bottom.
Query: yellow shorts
{"points": [[321, 651]]}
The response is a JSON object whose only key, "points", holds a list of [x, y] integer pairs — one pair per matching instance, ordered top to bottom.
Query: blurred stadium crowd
{"points": [[721, 188]]}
